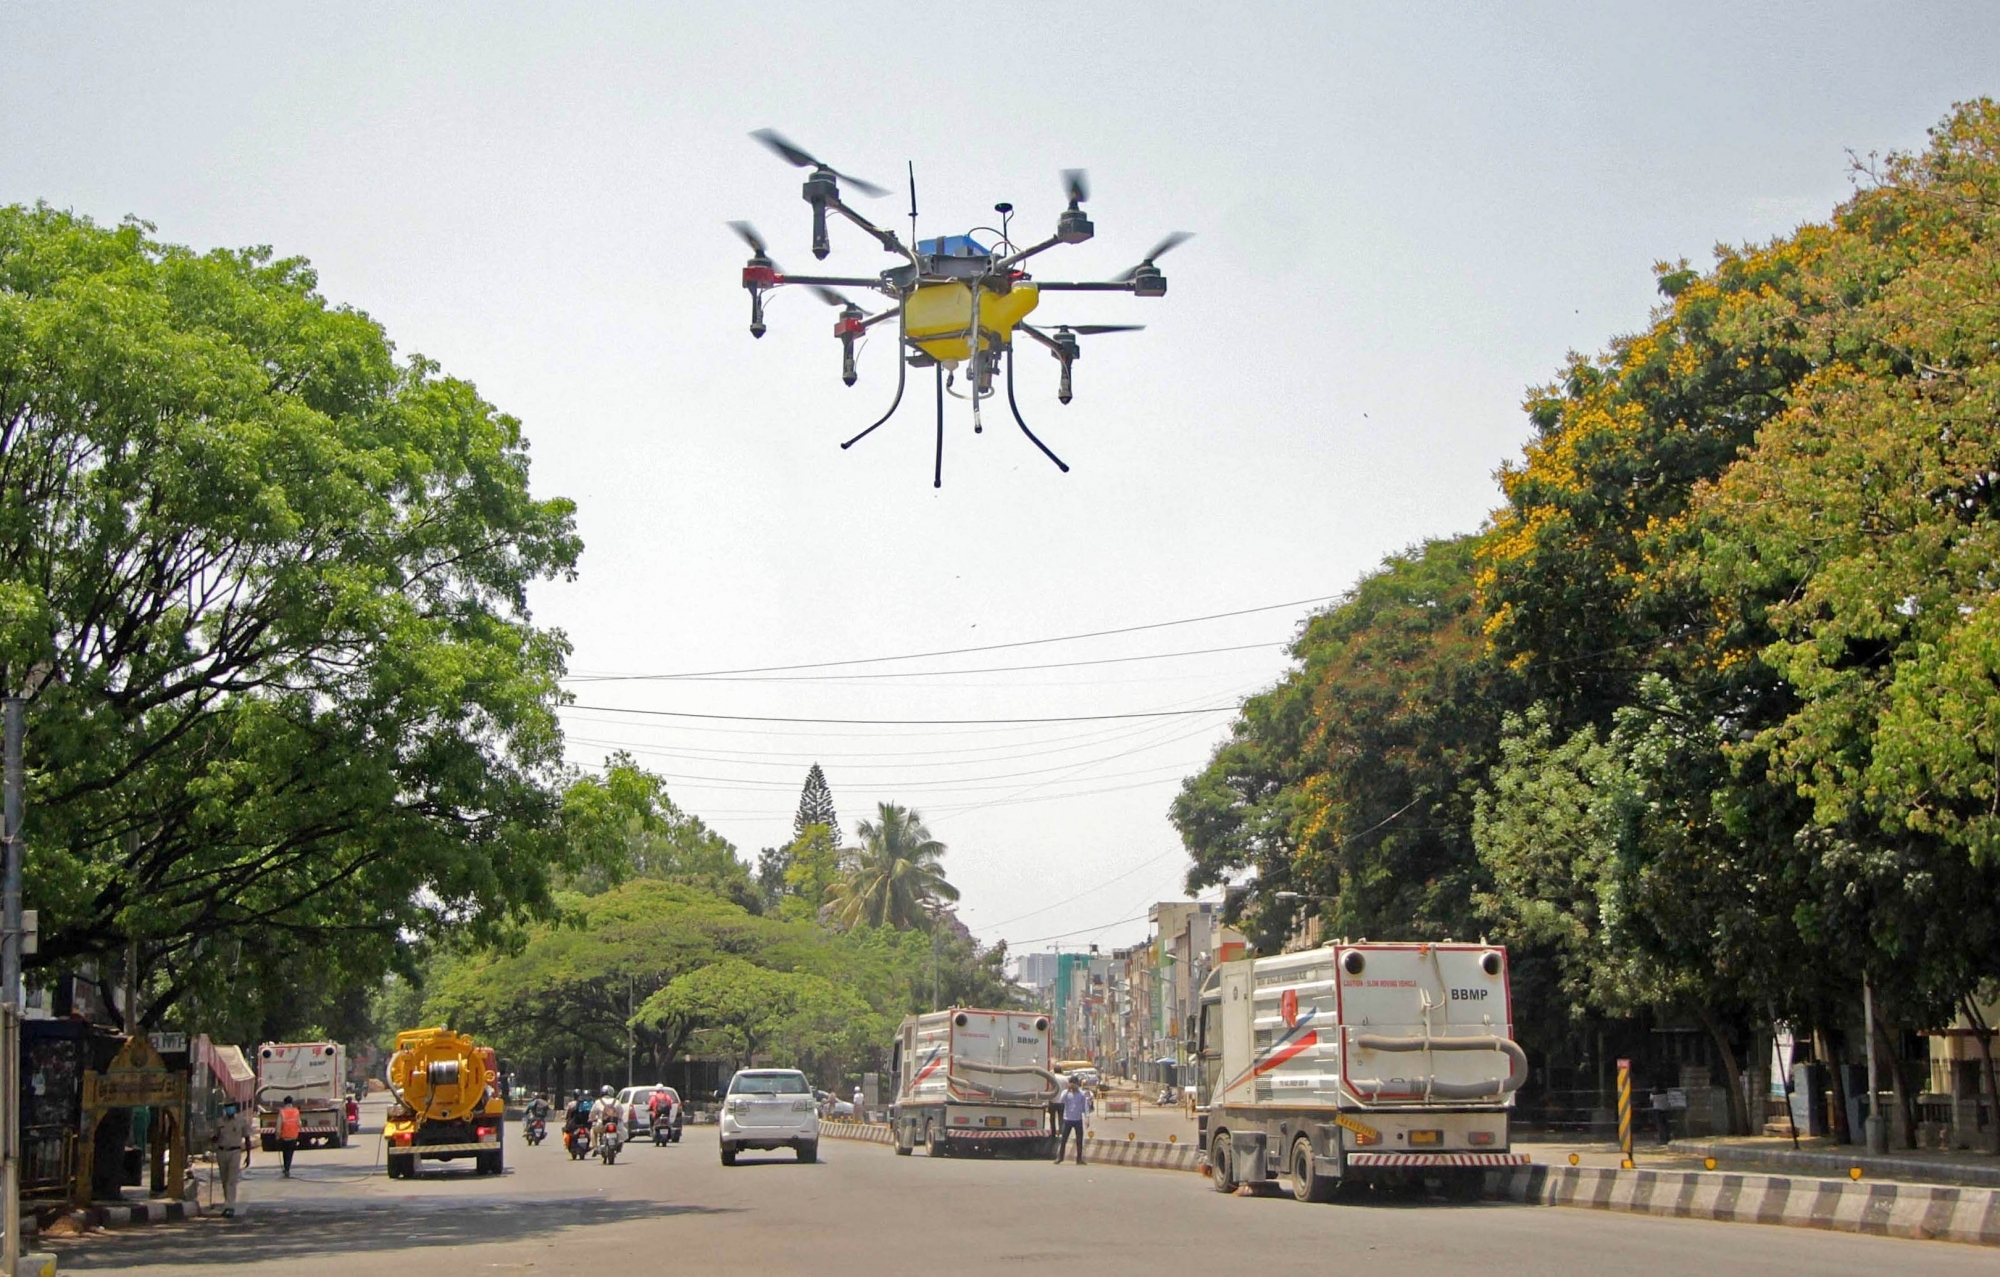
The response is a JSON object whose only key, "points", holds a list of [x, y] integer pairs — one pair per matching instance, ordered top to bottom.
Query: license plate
{"points": [[996, 1121], [1426, 1137]]}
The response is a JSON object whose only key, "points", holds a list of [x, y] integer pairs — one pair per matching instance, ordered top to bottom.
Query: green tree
{"points": [[277, 580], [1347, 781], [816, 806], [622, 824], [813, 868], [896, 874], [741, 1010]]}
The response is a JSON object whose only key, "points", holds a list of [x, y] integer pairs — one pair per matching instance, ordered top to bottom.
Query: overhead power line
{"points": [[954, 651], [896, 674], [912, 722]]}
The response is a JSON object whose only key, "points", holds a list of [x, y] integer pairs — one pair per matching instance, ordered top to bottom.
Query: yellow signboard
{"points": [[138, 1089], [1358, 1126]]}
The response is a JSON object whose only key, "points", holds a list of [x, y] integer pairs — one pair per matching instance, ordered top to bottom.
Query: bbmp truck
{"points": [[1358, 1062], [314, 1075], [969, 1080]]}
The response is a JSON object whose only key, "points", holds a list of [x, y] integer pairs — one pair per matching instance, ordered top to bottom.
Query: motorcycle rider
{"points": [[660, 1108], [537, 1111], [602, 1114], [576, 1117]]}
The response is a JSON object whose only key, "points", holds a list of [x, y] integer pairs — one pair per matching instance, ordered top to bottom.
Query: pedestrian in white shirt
{"points": [[1075, 1106], [233, 1135]]}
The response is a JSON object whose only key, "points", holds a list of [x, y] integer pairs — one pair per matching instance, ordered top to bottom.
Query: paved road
{"points": [[863, 1210]]}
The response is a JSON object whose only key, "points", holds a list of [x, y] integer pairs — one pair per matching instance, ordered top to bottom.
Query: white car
{"points": [[769, 1108], [635, 1110]]}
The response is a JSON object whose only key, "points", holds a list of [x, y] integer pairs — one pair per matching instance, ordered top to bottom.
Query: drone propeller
{"points": [[791, 153], [1076, 184], [748, 234], [1160, 249], [833, 297], [1091, 330]]}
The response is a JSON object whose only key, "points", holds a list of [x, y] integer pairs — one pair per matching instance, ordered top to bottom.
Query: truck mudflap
{"points": [[434, 1150], [1361, 1161]]}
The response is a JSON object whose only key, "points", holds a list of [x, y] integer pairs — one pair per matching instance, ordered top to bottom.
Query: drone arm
{"points": [[886, 238], [1026, 253], [830, 281], [1086, 286], [892, 313], [1040, 336], [1024, 425]]}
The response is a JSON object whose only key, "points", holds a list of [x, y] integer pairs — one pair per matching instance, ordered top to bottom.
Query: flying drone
{"points": [[957, 300]]}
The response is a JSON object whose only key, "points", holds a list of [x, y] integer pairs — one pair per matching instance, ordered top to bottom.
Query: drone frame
{"points": [[992, 274]]}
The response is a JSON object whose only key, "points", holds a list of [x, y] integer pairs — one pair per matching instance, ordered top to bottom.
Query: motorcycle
{"points": [[663, 1124], [534, 1130], [578, 1142], [608, 1142]]}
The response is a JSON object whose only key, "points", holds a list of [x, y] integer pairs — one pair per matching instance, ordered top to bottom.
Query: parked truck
{"points": [[1352, 1063], [314, 1075], [969, 1080], [445, 1103]]}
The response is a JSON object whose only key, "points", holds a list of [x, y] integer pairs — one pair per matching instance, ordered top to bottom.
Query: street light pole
{"points": [[14, 714]]}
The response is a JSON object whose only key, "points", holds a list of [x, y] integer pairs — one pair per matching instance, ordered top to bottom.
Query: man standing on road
{"points": [[1075, 1107], [288, 1132], [232, 1154]]}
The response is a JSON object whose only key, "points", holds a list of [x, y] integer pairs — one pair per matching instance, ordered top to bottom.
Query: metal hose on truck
{"points": [[1491, 1089], [1000, 1095]]}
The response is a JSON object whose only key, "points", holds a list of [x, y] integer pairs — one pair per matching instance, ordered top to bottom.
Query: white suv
{"points": [[769, 1108]]}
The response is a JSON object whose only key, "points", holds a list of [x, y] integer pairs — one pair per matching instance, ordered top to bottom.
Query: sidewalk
{"points": [[1815, 1157]]}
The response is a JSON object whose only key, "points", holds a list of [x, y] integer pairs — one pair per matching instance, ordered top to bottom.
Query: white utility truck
{"points": [[1357, 1062], [314, 1074], [970, 1080]]}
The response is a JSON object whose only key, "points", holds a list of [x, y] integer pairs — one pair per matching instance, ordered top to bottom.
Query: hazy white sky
{"points": [[1407, 214]]}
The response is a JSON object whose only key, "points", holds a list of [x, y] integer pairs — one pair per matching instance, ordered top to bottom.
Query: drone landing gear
{"points": [[902, 371], [1024, 425], [937, 475]]}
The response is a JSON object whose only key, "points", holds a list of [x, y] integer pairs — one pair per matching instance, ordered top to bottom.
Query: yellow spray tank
{"points": [[939, 317], [447, 1102]]}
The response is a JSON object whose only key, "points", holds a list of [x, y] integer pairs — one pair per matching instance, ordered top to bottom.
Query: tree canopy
{"points": [[271, 579], [1707, 719]]}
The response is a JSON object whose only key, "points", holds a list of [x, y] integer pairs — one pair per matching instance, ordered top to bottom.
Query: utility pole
{"points": [[14, 713], [132, 952], [631, 1038], [1877, 1129]]}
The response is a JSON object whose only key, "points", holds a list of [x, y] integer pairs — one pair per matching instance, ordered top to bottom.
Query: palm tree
{"points": [[896, 878]]}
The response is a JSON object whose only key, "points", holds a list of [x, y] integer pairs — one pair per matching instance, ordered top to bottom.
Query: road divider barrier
{"points": [[1147, 1154], [1926, 1211]]}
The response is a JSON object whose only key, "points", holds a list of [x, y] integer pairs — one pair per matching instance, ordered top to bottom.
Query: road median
{"points": [[1144, 1154], [1923, 1211]]}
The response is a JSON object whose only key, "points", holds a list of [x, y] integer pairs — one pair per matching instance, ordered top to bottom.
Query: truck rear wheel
{"points": [[269, 1143], [1218, 1164], [402, 1165], [1308, 1185]]}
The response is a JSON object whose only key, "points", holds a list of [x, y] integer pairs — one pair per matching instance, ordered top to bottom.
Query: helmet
{"points": [[604, 1090]]}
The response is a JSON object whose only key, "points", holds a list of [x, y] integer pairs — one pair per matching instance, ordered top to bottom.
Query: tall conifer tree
{"points": [[816, 806]]}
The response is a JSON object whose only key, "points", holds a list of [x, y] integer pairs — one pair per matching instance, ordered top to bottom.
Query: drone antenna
{"points": [[913, 200]]}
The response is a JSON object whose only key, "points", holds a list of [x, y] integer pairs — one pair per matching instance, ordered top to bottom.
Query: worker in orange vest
{"points": [[288, 1132]]}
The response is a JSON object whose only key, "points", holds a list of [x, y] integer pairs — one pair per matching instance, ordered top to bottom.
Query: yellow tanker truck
{"points": [[447, 1102]]}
